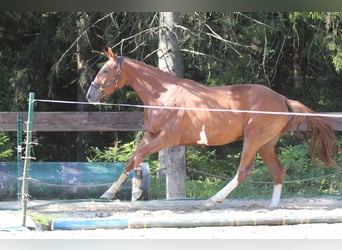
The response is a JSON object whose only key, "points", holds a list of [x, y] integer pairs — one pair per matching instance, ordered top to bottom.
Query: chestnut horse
{"points": [[180, 124]]}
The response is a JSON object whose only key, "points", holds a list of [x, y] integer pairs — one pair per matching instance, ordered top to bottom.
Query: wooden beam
{"points": [[75, 121], [93, 121], [336, 122]]}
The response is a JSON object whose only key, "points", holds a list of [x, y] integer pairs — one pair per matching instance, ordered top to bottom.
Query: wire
{"points": [[195, 109], [267, 182]]}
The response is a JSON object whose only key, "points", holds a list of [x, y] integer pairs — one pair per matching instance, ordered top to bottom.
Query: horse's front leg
{"points": [[149, 145], [132, 163], [116, 186]]}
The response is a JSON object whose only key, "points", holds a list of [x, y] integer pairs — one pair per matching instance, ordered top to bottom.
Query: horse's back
{"points": [[258, 97]]}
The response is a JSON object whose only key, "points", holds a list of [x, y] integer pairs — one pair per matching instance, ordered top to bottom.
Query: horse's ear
{"points": [[109, 53]]}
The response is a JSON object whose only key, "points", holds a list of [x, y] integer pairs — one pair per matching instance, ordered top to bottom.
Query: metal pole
{"points": [[19, 151], [25, 186], [197, 220]]}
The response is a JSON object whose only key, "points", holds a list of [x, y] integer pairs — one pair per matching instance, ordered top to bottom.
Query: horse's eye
{"points": [[105, 71]]}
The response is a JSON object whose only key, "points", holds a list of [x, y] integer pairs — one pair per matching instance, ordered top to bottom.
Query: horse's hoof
{"points": [[137, 194], [108, 195], [209, 204], [273, 206]]}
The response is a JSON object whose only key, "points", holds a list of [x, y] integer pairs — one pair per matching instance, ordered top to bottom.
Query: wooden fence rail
{"points": [[75, 121], [93, 121]]}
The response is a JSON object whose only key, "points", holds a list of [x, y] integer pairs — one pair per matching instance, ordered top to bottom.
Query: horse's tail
{"points": [[323, 143]]}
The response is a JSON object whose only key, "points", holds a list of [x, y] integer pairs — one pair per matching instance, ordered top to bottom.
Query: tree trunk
{"points": [[298, 43], [85, 75], [173, 159]]}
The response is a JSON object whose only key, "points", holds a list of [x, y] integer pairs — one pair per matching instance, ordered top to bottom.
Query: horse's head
{"points": [[107, 79]]}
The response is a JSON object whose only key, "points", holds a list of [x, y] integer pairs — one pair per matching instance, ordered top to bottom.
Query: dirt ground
{"points": [[296, 211]]}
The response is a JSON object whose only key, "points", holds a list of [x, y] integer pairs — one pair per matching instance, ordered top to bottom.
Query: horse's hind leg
{"points": [[262, 141], [272, 162], [244, 170]]}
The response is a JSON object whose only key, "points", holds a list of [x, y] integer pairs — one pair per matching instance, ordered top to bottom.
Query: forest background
{"points": [[57, 54]]}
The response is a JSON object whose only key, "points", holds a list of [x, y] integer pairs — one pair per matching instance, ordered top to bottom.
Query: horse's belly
{"points": [[212, 136]]}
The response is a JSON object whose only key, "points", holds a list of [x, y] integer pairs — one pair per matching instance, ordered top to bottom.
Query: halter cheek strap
{"points": [[114, 80]]}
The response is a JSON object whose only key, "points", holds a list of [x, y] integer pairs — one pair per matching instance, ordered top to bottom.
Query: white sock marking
{"points": [[226, 190], [276, 195]]}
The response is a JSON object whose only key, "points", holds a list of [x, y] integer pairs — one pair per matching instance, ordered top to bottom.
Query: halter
{"points": [[102, 88]]}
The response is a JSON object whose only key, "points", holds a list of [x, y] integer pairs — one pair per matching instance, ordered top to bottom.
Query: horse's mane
{"points": [[155, 71]]}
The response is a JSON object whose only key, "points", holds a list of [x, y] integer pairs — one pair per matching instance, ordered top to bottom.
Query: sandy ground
{"points": [[302, 209]]}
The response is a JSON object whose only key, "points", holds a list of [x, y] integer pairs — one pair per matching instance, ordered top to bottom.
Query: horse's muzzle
{"points": [[93, 95]]}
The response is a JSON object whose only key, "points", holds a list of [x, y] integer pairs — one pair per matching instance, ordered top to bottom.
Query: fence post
{"points": [[19, 151], [25, 186]]}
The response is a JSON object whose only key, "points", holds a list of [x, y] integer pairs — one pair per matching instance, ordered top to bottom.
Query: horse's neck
{"points": [[150, 83]]}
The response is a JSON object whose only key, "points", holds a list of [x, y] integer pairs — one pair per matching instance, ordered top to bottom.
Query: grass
{"points": [[305, 178], [317, 182], [43, 219]]}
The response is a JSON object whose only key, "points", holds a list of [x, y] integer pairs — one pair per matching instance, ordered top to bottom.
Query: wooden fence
{"points": [[75, 121], [93, 121]]}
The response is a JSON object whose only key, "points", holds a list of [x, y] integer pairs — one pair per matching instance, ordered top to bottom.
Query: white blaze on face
{"points": [[203, 137]]}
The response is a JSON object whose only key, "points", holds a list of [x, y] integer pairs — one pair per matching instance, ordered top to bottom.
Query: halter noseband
{"points": [[100, 88]]}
